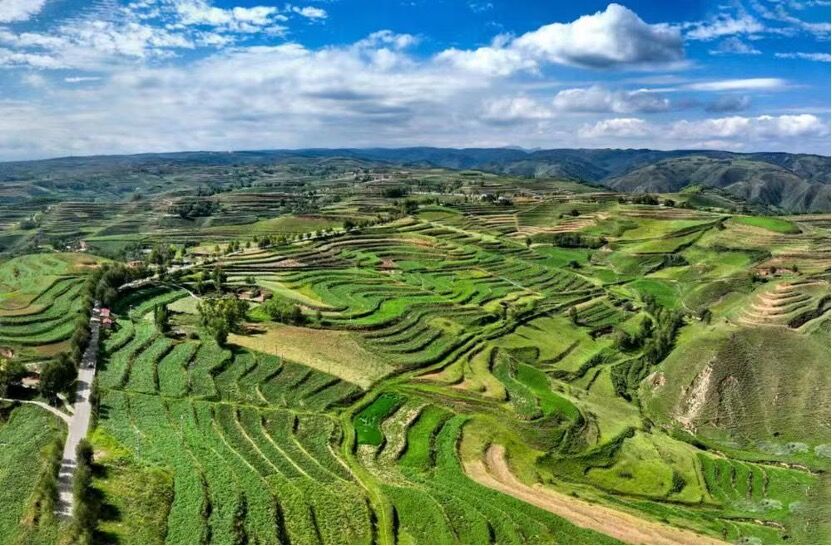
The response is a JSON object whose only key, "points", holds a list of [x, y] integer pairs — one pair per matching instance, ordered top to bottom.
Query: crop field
{"points": [[40, 300], [485, 360], [25, 432]]}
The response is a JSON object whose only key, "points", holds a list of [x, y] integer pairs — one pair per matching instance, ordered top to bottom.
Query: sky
{"points": [[131, 76]]}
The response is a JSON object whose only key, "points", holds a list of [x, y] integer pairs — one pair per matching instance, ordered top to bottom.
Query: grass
{"points": [[770, 223], [333, 352], [367, 422], [136, 499]]}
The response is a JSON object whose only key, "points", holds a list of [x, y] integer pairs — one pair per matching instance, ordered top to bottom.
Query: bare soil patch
{"points": [[495, 473]]}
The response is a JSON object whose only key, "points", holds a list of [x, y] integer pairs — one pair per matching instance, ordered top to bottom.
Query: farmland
{"points": [[490, 360]]}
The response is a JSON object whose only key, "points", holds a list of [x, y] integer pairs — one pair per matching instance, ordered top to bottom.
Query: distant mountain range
{"points": [[788, 182]]}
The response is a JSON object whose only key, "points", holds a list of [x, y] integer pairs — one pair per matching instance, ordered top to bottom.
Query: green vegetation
{"points": [[777, 225], [331, 352]]}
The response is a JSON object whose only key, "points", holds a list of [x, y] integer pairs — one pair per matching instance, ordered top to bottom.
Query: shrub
{"points": [[280, 311]]}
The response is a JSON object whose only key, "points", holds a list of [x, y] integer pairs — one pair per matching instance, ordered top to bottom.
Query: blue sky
{"points": [[112, 76]]}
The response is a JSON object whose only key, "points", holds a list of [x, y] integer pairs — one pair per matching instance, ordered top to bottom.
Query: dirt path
{"points": [[43, 405], [495, 473]]}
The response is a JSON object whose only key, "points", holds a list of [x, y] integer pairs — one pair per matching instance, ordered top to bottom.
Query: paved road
{"points": [[80, 421]]}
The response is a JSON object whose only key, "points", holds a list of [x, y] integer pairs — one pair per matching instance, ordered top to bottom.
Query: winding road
{"points": [[79, 423]]}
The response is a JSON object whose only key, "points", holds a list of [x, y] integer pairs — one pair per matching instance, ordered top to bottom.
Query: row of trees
{"points": [[577, 240], [102, 284], [655, 336], [87, 502]]}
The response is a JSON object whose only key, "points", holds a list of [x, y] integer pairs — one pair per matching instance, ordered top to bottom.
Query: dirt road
{"points": [[44, 405], [495, 473]]}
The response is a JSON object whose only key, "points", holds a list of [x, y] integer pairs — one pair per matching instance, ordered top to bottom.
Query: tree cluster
{"points": [[395, 192], [194, 209], [577, 240], [280, 311], [221, 316]]}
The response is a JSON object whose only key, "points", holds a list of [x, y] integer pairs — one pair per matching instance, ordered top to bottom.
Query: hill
{"points": [[755, 181], [794, 183]]}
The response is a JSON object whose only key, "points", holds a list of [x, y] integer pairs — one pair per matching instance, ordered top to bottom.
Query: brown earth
{"points": [[495, 473]]}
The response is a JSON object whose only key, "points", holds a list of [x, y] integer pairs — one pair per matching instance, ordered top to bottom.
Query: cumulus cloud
{"points": [[13, 11], [310, 12], [236, 19], [613, 38], [388, 39], [819, 57], [374, 91], [599, 99], [507, 110], [616, 127], [751, 128], [732, 132]]}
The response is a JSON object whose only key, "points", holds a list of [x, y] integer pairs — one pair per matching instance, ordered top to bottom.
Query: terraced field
{"points": [[40, 300], [554, 365]]}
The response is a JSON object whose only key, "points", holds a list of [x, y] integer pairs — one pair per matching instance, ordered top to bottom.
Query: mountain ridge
{"points": [[782, 181]]}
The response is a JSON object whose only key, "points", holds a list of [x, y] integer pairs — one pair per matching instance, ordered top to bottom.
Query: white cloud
{"points": [[480, 7], [12, 11], [309, 12], [779, 12], [236, 19], [723, 25], [149, 30], [613, 38], [389, 39], [734, 46], [819, 57], [34, 60], [81, 79], [737, 84], [371, 92], [599, 99], [729, 103], [515, 109], [616, 127], [751, 128]]}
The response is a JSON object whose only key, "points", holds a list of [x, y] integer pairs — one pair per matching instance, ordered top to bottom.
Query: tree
{"points": [[219, 277], [280, 311], [221, 316], [161, 317], [10, 370], [57, 376]]}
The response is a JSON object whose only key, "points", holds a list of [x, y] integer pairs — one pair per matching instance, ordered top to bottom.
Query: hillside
{"points": [[755, 181], [795, 183], [418, 355]]}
